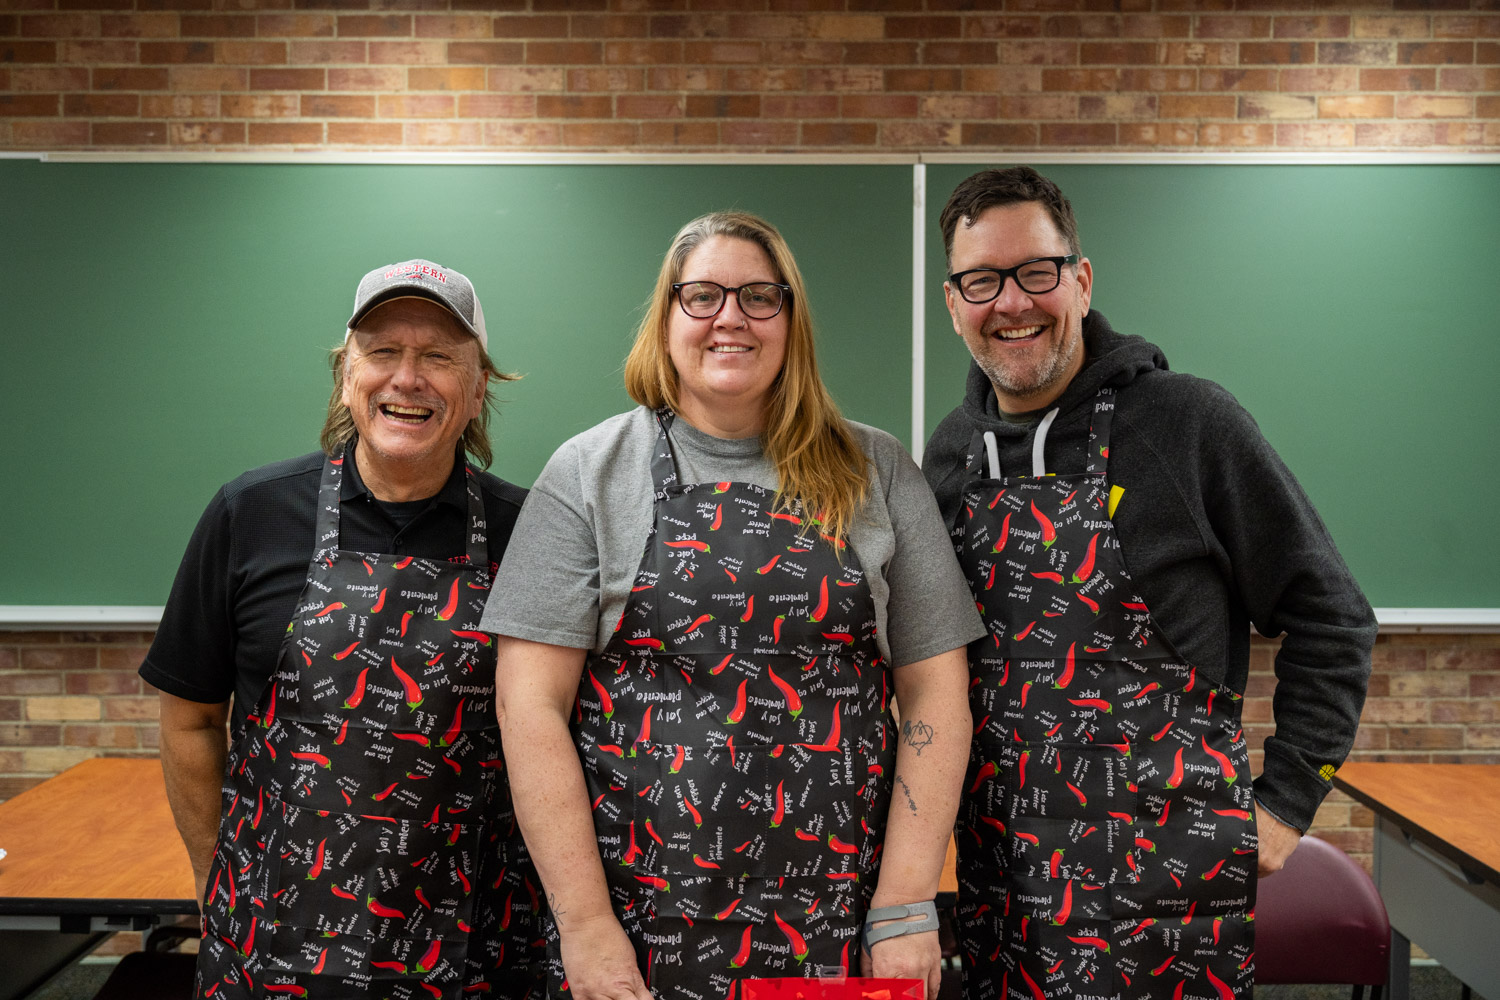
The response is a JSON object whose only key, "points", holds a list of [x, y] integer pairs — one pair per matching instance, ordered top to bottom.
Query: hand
{"points": [[1277, 841], [910, 956], [600, 962]]}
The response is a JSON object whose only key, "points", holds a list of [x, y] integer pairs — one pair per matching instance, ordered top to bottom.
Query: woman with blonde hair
{"points": [[709, 605]]}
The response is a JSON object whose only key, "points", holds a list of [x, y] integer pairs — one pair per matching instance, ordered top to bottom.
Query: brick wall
{"points": [[750, 75], [66, 696]]}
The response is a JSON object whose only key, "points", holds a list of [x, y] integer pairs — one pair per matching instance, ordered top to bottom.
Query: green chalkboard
{"points": [[1351, 309], [166, 326]]}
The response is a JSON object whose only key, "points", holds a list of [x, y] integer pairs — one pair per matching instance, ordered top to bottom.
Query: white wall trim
{"points": [[977, 158], [918, 309], [67, 617]]}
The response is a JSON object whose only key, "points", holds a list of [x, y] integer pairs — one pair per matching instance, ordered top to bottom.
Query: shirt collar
{"points": [[454, 492]]}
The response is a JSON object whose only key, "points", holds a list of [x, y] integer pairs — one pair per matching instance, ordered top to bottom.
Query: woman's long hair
{"points": [[817, 460]]}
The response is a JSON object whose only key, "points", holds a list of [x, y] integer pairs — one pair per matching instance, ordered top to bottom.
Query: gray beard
{"points": [[1051, 371]]}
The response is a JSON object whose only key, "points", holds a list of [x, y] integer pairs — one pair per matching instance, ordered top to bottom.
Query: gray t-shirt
{"points": [[574, 552]]}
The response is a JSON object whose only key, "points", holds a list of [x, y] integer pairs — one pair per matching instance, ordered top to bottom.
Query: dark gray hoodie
{"points": [[1218, 536]]}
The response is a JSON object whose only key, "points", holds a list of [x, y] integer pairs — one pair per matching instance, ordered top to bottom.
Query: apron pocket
{"points": [[1071, 811]]}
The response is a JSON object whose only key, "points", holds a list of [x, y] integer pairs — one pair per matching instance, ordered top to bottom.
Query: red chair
{"points": [[1320, 920]]}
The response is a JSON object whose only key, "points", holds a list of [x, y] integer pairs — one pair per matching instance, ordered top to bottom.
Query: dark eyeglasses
{"points": [[1035, 277], [704, 299]]}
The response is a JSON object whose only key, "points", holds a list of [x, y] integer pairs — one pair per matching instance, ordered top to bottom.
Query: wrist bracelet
{"points": [[927, 911]]}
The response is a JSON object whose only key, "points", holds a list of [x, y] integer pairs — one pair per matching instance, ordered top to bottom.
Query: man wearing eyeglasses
{"points": [[1122, 527]]}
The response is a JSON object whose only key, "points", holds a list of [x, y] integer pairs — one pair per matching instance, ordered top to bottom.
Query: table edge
{"points": [[1413, 827]]}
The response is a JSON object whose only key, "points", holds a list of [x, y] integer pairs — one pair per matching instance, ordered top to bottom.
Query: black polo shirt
{"points": [[247, 562]]}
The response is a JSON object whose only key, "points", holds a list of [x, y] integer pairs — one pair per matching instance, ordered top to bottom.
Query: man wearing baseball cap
{"points": [[355, 835]]}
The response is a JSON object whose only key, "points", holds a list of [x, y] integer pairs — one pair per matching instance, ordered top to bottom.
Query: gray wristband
{"points": [[927, 911]]}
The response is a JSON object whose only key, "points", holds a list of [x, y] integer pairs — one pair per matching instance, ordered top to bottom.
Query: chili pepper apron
{"points": [[736, 742], [1106, 843], [368, 845]]}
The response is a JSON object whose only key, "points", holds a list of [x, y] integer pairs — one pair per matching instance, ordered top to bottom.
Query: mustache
{"points": [[433, 403]]}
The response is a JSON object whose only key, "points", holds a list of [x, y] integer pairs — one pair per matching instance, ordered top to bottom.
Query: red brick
{"points": [[151, 4], [569, 5], [139, 25], [295, 25], [701, 25], [59, 26], [217, 26], [374, 26], [529, 26], [928, 26], [1156, 26], [1231, 26], [1316, 26], [1397, 26], [1466, 26], [767, 27], [1003, 27], [111, 51], [174, 52], [717, 52], [252, 53], [326, 53], [413, 53], [485, 53], [564, 53], [642, 53], [805, 53], [906, 53], [975, 53], [1039, 53], [1279, 53], [1439, 53], [1487, 53], [1201, 54], [48, 78], [206, 78], [367, 78], [446, 78], [687, 78], [1320, 78], [1411, 78], [1469, 78], [287, 79], [527, 79], [765, 79], [845, 79], [923, 79], [1237, 79], [609, 80], [723, 105], [93, 106], [170, 106], [260, 106], [336, 106], [415, 106], [496, 106], [574, 106], [663, 106], [792, 106], [880, 106], [959, 106], [1197, 106], [1278, 106], [1356, 106], [1433, 106], [1117, 107], [752, 132], [141, 133], [216, 133], [286, 133], [364, 133], [443, 133], [839, 133], [671, 134], [998, 134], [1079, 134], [526, 135], [599, 135], [929, 135], [1239, 135], [59, 658], [1464, 658], [1398, 659], [1426, 684], [10, 709], [143, 709], [1398, 710], [1477, 710], [30, 735], [96, 735], [1482, 737], [1426, 738], [11, 787]]}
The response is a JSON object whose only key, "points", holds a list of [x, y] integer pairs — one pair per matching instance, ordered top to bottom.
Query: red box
{"points": [[854, 988]]}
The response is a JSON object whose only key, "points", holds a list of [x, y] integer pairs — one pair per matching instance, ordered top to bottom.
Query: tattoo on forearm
{"points": [[917, 734], [911, 803], [552, 904]]}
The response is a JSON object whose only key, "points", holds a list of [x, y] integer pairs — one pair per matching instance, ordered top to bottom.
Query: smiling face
{"points": [[1030, 346], [726, 364], [412, 383]]}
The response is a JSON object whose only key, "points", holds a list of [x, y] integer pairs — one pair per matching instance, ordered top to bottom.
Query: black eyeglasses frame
{"points": [[1012, 273], [786, 296]]}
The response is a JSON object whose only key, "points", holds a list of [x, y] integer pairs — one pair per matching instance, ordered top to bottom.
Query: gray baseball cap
{"points": [[421, 279]]}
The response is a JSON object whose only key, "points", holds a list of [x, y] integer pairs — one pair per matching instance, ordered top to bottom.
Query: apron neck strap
{"points": [[1104, 413], [983, 457], [663, 465], [476, 534], [476, 539]]}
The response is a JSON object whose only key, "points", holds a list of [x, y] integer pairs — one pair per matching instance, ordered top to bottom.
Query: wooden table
{"points": [[89, 852], [1437, 864]]}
